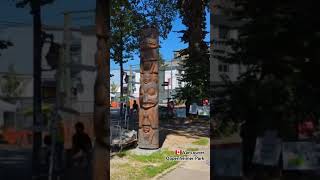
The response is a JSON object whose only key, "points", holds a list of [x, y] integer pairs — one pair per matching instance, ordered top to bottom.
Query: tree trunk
{"points": [[101, 153]]}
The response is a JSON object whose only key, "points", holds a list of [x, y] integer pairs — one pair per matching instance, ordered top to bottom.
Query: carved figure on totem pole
{"points": [[149, 90]]}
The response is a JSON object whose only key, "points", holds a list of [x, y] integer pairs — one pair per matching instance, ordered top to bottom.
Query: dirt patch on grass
{"points": [[173, 142]]}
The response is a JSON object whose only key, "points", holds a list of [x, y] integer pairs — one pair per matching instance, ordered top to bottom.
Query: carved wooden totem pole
{"points": [[149, 90]]}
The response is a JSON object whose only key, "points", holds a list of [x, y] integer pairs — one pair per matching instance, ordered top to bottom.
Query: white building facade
{"points": [[20, 55]]}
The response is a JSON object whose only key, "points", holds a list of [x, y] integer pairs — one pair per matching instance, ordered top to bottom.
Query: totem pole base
{"points": [[140, 151]]}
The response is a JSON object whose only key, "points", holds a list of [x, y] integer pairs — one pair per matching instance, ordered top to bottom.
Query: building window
{"points": [[223, 68]]}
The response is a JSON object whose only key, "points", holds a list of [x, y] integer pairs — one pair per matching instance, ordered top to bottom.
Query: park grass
{"points": [[202, 141], [192, 149], [122, 154], [140, 167]]}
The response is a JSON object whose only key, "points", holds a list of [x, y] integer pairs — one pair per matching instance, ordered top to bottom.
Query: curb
{"points": [[157, 177]]}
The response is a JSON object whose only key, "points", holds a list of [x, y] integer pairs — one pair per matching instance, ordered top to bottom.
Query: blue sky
{"points": [[52, 15], [173, 42]]}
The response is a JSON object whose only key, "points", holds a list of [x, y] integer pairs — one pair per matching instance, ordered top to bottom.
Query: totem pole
{"points": [[149, 90], [101, 156]]}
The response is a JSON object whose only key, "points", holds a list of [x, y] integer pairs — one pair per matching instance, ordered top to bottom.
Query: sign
{"points": [[165, 84], [193, 109], [204, 110], [181, 113], [268, 149], [178, 151], [301, 155], [227, 161]]}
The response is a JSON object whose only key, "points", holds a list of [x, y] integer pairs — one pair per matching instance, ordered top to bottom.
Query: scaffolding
{"points": [[122, 133]]}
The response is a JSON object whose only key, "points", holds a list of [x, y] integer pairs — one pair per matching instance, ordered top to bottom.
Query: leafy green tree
{"points": [[157, 13], [128, 17], [125, 27], [278, 42], [278, 46], [161, 60], [196, 65], [11, 85], [114, 87]]}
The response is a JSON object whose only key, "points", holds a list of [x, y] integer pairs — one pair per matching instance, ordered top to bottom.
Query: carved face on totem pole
{"points": [[149, 85], [149, 91]]}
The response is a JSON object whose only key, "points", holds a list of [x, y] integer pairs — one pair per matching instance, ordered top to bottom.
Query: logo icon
{"points": [[178, 151]]}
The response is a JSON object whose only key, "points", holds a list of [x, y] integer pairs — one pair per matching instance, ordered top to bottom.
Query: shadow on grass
{"points": [[196, 129]]}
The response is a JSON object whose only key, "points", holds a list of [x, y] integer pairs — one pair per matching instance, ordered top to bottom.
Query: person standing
{"points": [[187, 104], [135, 106], [171, 109], [134, 114], [59, 147], [81, 150]]}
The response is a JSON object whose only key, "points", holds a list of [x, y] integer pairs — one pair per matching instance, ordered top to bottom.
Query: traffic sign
{"points": [[165, 84]]}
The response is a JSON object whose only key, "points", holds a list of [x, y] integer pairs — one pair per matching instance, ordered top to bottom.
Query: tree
{"points": [[157, 13], [128, 17], [125, 23], [278, 44], [161, 60], [196, 65], [11, 86], [114, 87]]}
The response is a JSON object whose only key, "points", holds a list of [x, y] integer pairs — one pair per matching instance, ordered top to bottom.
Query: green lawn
{"points": [[201, 141], [140, 167]]}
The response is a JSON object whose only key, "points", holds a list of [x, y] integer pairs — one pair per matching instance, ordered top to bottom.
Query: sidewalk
{"points": [[15, 162], [190, 170]]}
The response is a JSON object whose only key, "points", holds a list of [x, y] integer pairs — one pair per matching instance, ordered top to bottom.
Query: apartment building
{"points": [[20, 56]]}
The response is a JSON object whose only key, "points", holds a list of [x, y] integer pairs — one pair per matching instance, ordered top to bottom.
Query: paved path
{"points": [[15, 163], [191, 170]]}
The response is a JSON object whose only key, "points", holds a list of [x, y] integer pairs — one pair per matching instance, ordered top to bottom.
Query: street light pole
{"points": [[67, 59], [171, 79], [130, 82], [37, 137]]}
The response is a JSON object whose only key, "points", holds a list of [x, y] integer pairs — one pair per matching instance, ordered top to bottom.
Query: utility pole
{"points": [[37, 45], [67, 58], [171, 79], [130, 82], [58, 104]]}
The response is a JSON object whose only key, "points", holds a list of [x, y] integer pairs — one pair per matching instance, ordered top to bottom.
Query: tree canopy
{"points": [[128, 17], [278, 44], [196, 66], [10, 84]]}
